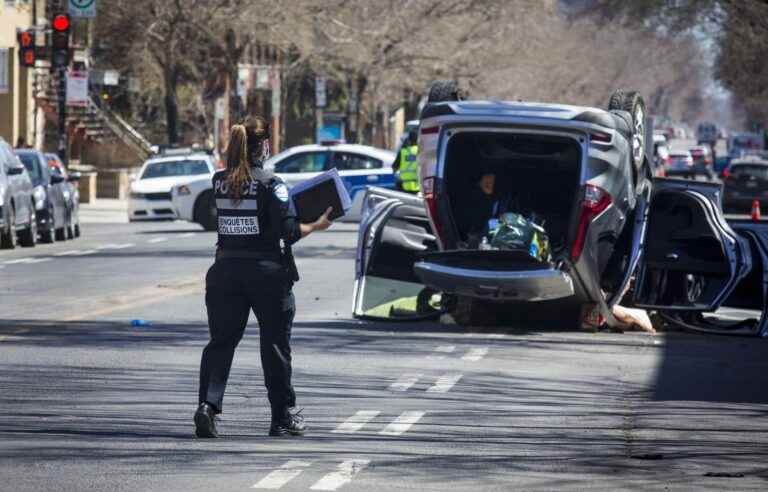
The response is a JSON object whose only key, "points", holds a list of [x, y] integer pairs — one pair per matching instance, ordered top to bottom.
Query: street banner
{"points": [[84, 9], [77, 88]]}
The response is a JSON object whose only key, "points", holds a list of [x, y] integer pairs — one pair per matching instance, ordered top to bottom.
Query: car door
{"points": [[298, 167], [359, 171], [56, 193], [393, 232], [694, 261]]}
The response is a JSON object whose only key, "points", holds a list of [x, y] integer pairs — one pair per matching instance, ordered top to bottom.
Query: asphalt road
{"points": [[90, 402]]}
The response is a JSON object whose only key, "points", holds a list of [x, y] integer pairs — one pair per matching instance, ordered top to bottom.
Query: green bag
{"points": [[513, 232]]}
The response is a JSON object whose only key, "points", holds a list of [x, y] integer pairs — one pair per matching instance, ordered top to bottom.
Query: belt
{"points": [[253, 255]]}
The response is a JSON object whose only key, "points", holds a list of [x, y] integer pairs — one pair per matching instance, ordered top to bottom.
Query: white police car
{"points": [[359, 166]]}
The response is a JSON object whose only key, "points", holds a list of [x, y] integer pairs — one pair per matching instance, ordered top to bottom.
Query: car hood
{"points": [[158, 185]]}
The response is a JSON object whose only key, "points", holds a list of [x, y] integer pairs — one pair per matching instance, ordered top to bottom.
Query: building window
{"points": [[4, 70]]}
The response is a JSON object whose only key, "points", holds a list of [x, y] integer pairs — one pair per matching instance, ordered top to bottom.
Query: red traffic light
{"points": [[61, 23]]}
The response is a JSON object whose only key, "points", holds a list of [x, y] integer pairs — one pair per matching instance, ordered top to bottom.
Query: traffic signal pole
{"points": [[61, 148]]}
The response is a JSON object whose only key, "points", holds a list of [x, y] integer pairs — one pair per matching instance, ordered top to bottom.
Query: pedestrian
{"points": [[406, 165], [254, 270]]}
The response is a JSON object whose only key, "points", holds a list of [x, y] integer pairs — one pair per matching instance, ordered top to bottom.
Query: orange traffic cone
{"points": [[755, 210]]}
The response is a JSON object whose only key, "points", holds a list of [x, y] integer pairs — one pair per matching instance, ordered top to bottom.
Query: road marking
{"points": [[188, 234], [157, 240], [117, 246], [76, 252], [67, 253], [27, 261], [19, 331], [447, 349], [475, 354], [404, 382], [444, 383], [356, 422], [402, 423], [285, 474], [343, 475]]}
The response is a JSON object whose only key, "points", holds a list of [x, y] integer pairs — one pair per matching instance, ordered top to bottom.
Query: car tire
{"points": [[445, 90], [632, 103], [205, 211], [77, 229], [60, 234], [8, 236], [48, 236], [28, 237]]}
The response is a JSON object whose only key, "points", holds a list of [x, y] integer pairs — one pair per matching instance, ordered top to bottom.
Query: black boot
{"points": [[205, 421], [287, 422]]}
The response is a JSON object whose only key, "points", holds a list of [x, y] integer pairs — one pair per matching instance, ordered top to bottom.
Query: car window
{"points": [[346, 161], [306, 162], [32, 164], [168, 169], [747, 170]]}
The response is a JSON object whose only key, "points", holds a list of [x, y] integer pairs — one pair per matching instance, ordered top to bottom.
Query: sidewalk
{"points": [[104, 211]]}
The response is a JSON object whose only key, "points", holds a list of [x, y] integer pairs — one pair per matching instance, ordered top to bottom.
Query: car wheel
{"points": [[445, 90], [632, 103], [205, 211], [77, 230], [61, 234], [8, 236], [47, 236], [28, 237]]}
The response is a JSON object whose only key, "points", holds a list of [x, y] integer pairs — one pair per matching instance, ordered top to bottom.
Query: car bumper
{"points": [[141, 209], [527, 285]]}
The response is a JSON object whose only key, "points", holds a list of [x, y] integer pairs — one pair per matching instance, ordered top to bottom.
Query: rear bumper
{"points": [[526, 285]]}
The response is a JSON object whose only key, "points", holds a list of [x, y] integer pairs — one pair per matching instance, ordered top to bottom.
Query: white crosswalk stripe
{"points": [[117, 246], [27, 261], [475, 354], [404, 382], [444, 383], [356, 422], [402, 423], [343, 475], [282, 476]]}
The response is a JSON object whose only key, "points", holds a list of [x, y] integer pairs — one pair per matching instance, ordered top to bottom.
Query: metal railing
{"points": [[122, 129]]}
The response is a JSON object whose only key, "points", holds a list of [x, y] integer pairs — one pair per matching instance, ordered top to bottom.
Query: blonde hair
{"points": [[251, 132]]}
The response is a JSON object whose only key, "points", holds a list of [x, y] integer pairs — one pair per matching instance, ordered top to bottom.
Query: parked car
{"points": [[702, 161], [680, 164], [359, 166], [583, 172], [745, 181], [51, 193], [73, 193], [150, 193], [17, 204]]}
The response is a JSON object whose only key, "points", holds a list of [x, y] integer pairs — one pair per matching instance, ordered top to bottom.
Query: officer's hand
{"points": [[323, 222]]}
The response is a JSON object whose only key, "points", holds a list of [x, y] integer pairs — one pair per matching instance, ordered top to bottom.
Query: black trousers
{"points": [[234, 287]]}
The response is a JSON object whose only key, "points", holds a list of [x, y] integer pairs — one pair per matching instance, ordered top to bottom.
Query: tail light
{"points": [[600, 137], [726, 172], [428, 190], [596, 200]]}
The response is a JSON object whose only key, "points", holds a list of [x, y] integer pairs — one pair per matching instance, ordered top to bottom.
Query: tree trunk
{"points": [[171, 106]]}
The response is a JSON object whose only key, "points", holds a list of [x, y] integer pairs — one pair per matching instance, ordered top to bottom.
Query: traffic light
{"points": [[61, 25], [27, 50]]}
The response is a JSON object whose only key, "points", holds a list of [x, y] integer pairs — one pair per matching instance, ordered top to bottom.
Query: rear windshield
{"points": [[33, 166], [175, 168], [749, 170]]}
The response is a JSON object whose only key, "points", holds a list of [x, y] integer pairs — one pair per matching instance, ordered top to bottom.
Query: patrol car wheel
{"points": [[445, 90], [205, 211]]}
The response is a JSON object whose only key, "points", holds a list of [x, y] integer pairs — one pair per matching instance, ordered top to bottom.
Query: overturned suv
{"points": [[614, 232]]}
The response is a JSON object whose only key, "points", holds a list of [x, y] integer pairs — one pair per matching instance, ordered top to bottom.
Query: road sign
{"points": [[82, 8], [77, 89], [320, 99]]}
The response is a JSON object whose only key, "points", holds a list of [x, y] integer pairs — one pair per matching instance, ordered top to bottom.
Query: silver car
{"points": [[584, 173]]}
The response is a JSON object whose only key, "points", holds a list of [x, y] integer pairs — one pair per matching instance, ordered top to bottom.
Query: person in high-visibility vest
{"points": [[407, 165]]}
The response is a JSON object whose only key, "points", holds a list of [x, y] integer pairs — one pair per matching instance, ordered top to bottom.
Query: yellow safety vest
{"points": [[409, 169]]}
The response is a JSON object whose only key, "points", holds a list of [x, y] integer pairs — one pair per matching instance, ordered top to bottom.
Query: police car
{"points": [[359, 166]]}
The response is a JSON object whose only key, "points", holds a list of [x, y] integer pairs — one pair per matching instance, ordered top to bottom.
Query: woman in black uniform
{"points": [[254, 270]]}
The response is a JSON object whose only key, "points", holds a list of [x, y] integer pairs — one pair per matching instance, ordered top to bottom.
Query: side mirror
{"points": [[16, 170], [74, 176], [56, 179]]}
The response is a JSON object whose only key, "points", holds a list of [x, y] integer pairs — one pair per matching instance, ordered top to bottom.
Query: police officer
{"points": [[406, 164], [254, 270]]}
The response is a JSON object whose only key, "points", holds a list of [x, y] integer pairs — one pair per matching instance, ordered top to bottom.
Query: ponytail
{"points": [[244, 138]]}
